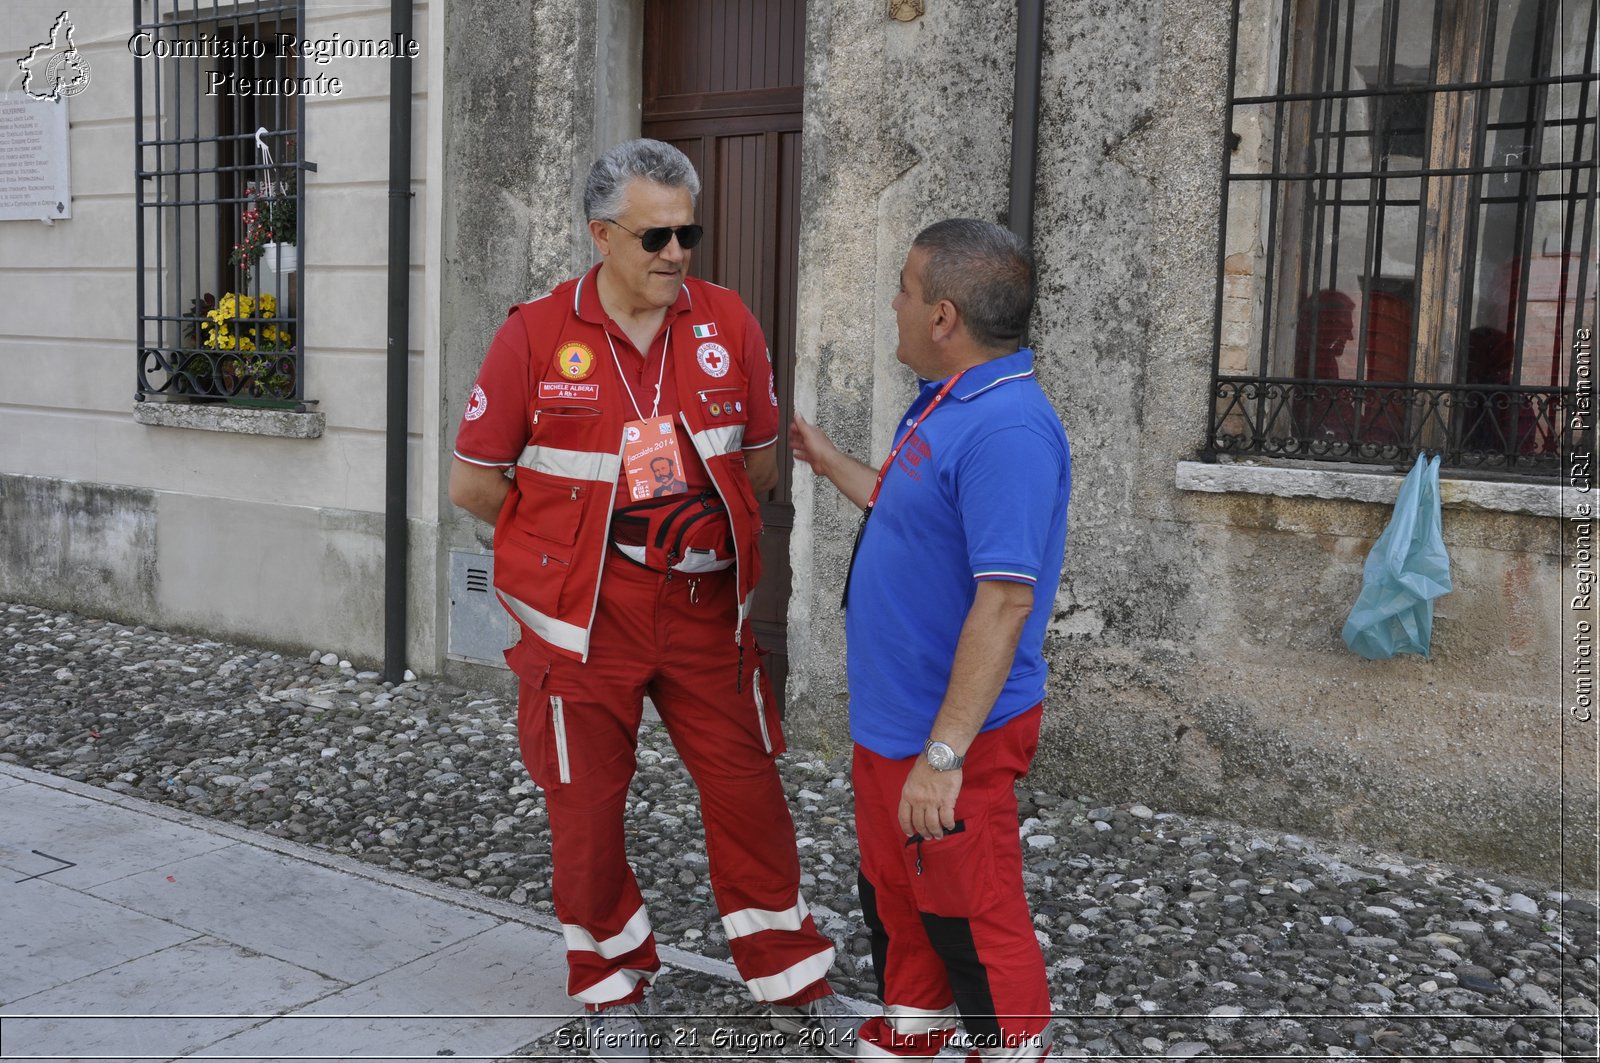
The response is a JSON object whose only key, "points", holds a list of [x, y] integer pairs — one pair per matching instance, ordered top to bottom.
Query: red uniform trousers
{"points": [[673, 639], [949, 918]]}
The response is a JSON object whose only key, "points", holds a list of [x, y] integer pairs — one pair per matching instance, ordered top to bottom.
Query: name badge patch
{"points": [[563, 389]]}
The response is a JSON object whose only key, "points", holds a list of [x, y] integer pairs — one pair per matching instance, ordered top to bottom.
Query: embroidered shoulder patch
{"points": [[713, 358], [575, 361]]}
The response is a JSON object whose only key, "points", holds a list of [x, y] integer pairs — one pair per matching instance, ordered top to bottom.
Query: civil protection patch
{"points": [[574, 361]]}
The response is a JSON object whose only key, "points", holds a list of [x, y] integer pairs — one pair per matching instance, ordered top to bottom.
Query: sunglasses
{"points": [[653, 240]]}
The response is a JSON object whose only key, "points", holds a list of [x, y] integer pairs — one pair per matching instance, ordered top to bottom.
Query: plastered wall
{"points": [[1195, 652]]}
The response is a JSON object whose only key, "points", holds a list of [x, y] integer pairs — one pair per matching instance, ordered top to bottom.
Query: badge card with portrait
{"points": [[650, 459]]}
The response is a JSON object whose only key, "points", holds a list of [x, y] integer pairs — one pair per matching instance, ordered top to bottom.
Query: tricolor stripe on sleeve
{"points": [[485, 464], [1005, 573]]}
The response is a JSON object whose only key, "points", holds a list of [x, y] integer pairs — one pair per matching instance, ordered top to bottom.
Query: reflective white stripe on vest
{"points": [[725, 439], [572, 464], [555, 632], [747, 921], [621, 943], [787, 983], [614, 986], [913, 1022]]}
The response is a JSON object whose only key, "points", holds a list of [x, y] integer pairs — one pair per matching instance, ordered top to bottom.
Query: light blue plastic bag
{"points": [[1406, 570]]}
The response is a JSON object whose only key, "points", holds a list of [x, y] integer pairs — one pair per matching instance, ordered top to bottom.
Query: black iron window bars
{"points": [[220, 203], [1407, 242]]}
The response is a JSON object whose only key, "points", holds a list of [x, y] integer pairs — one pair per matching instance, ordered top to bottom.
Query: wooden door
{"points": [[722, 82]]}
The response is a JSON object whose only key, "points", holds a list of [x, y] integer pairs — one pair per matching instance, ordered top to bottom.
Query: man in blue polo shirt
{"points": [[946, 605]]}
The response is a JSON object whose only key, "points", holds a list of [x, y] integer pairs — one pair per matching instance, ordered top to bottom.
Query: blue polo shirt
{"points": [[979, 493]]}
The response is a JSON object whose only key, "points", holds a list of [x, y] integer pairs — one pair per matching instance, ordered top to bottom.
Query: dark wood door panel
{"points": [[722, 82]]}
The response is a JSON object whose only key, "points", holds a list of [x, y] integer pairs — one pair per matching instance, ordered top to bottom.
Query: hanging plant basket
{"points": [[279, 258]]}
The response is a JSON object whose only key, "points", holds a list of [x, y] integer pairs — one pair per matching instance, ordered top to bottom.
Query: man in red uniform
{"points": [[621, 592]]}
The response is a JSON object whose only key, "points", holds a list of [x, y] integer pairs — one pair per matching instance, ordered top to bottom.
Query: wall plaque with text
{"points": [[35, 166]]}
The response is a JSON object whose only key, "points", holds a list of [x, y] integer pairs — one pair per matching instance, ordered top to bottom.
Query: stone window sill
{"points": [[285, 424], [1361, 483]]}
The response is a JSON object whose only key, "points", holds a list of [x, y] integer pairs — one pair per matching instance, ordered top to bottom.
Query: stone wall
{"points": [[528, 107], [1196, 659]]}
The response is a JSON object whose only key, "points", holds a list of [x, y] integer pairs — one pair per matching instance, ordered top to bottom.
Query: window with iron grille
{"points": [[220, 203], [1408, 231]]}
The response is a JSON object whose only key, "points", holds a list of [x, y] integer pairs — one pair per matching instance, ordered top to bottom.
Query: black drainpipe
{"points": [[1025, 119], [395, 538]]}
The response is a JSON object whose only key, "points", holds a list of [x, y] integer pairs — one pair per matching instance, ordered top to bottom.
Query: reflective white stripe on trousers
{"points": [[747, 921], [624, 941], [788, 982], [614, 986]]}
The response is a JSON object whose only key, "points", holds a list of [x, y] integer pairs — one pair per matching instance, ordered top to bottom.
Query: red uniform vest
{"points": [[551, 541]]}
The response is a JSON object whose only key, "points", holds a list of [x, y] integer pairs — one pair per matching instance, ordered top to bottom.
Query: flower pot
{"points": [[279, 258]]}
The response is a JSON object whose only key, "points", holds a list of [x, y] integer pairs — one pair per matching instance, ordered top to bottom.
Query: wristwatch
{"points": [[941, 757]]}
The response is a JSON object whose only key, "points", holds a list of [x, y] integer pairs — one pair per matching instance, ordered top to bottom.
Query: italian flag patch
{"points": [[705, 332]]}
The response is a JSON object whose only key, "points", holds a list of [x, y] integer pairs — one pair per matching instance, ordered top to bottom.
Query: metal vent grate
{"points": [[480, 628]]}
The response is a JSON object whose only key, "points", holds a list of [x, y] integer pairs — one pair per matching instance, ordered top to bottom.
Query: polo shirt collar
{"points": [[586, 300], [991, 374]]}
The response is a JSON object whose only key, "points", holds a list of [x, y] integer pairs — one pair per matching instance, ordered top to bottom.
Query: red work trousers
{"points": [[578, 724], [949, 919]]}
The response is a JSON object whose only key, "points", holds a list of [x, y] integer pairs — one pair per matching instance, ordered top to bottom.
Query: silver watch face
{"points": [[941, 757]]}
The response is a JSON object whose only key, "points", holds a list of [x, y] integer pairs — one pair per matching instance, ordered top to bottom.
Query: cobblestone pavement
{"points": [[1165, 935]]}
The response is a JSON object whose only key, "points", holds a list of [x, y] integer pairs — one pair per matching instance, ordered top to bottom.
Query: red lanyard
{"points": [[923, 416], [888, 463]]}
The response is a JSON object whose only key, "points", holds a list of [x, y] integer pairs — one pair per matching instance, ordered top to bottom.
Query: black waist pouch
{"points": [[678, 533]]}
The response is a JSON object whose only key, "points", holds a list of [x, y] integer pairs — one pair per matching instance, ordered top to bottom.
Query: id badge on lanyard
{"points": [[651, 461], [652, 466]]}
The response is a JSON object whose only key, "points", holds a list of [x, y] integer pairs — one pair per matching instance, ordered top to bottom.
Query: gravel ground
{"points": [[1165, 935]]}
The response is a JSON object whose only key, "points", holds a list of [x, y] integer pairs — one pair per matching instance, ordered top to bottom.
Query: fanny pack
{"points": [[678, 533]]}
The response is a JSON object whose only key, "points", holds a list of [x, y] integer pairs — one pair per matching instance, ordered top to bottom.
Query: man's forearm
{"points": [[853, 478], [479, 490], [984, 655]]}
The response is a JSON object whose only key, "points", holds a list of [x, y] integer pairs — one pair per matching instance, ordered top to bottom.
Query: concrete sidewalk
{"points": [[130, 931]]}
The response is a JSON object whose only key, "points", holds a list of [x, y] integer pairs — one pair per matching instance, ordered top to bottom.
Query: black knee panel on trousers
{"points": [[880, 935], [969, 979]]}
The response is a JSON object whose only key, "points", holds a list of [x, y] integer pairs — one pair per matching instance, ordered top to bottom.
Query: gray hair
{"points": [[605, 192], [986, 271]]}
